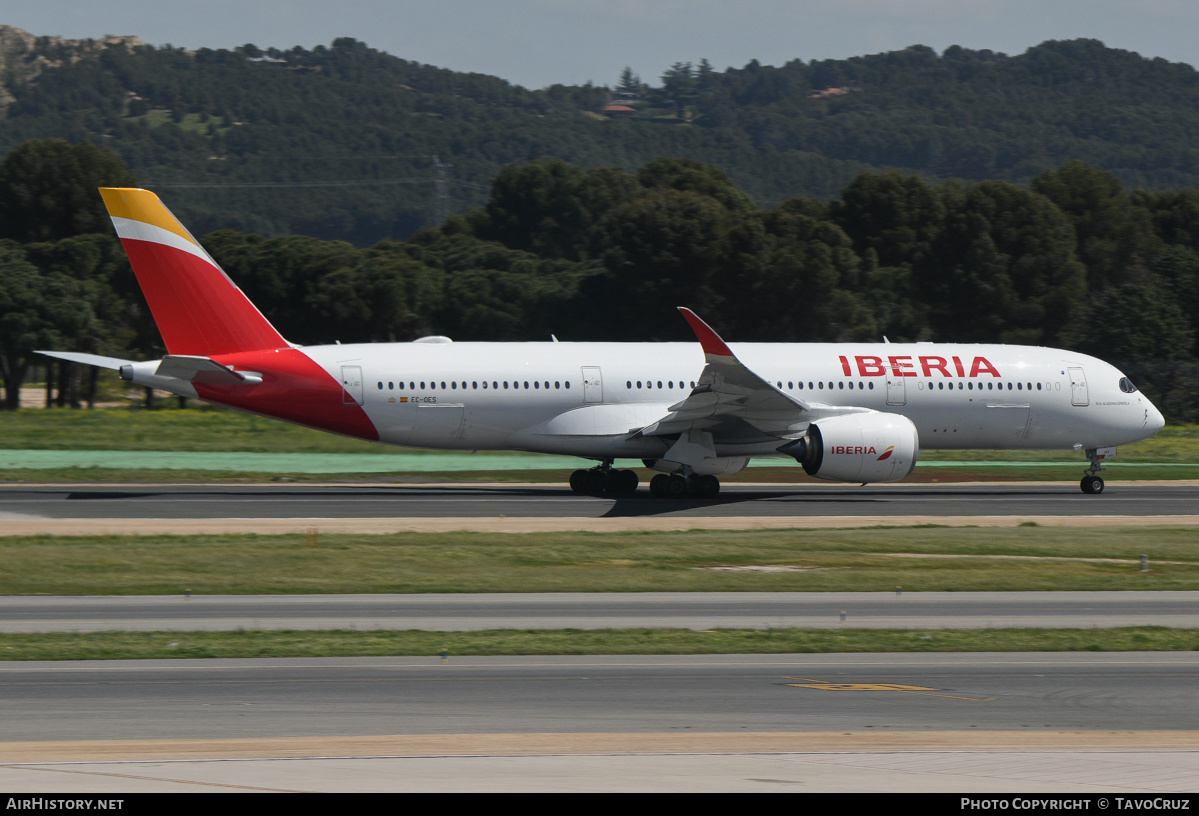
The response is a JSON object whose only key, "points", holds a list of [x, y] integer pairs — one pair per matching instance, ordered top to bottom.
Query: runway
{"points": [[48, 509], [688, 610], [730, 722], [980, 722]]}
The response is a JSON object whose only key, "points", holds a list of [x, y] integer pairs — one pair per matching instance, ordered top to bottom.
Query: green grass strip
{"points": [[918, 558], [156, 645]]}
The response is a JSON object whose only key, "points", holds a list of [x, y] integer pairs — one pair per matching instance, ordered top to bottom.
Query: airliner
{"points": [[848, 412]]}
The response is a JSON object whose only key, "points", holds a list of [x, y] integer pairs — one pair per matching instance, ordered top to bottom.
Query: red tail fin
{"points": [[198, 309]]}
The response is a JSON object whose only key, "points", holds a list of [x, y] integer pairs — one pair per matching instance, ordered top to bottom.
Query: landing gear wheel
{"points": [[596, 480], [578, 481], [621, 482], [1091, 484], [657, 485], [676, 486], [705, 487]]}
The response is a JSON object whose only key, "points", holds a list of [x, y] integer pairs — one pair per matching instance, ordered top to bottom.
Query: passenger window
{"points": [[557, 384], [380, 386]]}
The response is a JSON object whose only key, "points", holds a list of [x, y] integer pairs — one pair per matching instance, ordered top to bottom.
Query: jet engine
{"points": [[871, 447]]}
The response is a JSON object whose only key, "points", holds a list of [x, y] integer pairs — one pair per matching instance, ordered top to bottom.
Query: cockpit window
{"points": [[1126, 386]]}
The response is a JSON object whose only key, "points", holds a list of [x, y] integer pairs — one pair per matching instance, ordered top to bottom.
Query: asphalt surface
{"points": [[461, 501], [688, 610], [165, 699], [953, 722], [1019, 723]]}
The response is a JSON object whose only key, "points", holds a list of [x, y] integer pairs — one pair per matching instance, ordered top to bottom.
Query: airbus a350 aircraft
{"points": [[848, 412]]}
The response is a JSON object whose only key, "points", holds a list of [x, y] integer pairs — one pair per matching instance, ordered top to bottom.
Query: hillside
{"points": [[339, 142]]}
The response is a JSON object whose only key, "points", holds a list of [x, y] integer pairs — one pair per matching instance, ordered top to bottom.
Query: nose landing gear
{"points": [[1092, 483]]}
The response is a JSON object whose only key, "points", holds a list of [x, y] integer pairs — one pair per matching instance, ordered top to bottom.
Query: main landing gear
{"points": [[603, 479], [1092, 483], [677, 485]]}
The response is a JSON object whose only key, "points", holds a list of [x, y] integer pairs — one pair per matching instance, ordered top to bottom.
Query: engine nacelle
{"points": [[874, 447]]}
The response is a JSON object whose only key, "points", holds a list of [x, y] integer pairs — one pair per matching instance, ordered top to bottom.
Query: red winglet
{"points": [[708, 340]]}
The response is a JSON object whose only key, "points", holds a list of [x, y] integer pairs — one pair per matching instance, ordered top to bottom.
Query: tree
{"points": [[629, 83], [679, 84], [688, 174], [48, 189], [896, 216], [1110, 230], [665, 249], [1002, 269], [36, 311]]}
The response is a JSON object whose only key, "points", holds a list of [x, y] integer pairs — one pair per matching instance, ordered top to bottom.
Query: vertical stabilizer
{"points": [[198, 309]]}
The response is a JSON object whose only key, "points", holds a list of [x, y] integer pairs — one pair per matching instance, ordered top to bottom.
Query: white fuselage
{"points": [[590, 399]]}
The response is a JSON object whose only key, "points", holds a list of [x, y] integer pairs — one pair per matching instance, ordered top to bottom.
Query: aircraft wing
{"points": [[728, 390]]}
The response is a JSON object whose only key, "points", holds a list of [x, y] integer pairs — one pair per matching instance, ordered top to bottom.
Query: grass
{"points": [[856, 560], [151, 645]]}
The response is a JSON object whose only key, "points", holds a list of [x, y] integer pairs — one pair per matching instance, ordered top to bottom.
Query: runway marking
{"points": [[902, 689], [157, 779]]}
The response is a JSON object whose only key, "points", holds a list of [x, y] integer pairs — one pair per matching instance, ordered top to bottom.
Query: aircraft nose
{"points": [[1154, 421]]}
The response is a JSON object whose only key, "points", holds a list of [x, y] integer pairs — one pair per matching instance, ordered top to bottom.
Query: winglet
{"points": [[709, 340]]}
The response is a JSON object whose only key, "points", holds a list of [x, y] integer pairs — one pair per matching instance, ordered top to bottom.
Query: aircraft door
{"points": [[351, 383], [593, 385], [1078, 387], [896, 392]]}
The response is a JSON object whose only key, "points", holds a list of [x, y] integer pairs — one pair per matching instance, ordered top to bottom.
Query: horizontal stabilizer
{"points": [[97, 360], [203, 370]]}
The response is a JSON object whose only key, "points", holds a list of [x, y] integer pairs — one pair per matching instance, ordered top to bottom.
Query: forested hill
{"points": [[350, 133]]}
